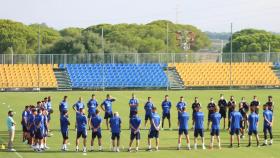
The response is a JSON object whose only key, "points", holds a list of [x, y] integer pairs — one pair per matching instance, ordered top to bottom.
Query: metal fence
{"points": [[137, 58]]}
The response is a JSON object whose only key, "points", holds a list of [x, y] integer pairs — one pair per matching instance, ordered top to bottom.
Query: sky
{"points": [[207, 15]]}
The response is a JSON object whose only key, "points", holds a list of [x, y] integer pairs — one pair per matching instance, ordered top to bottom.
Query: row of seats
{"points": [[224, 74], [116, 75], [27, 76]]}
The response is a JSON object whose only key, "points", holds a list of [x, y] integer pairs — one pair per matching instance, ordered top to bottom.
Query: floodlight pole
{"points": [[39, 52], [103, 53], [230, 55]]}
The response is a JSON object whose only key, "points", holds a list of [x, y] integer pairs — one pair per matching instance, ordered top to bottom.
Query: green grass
{"points": [[168, 139]]}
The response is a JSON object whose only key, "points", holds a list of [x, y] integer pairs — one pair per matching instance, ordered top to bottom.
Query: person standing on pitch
{"points": [[270, 103], [255, 104], [133, 105], [195, 105], [231, 105], [63, 106], [77, 106], [92, 106], [166, 106], [180, 106], [107, 107], [223, 108], [148, 110], [211, 110], [235, 119], [253, 121], [135, 123], [64, 124], [95, 124], [115, 125], [267, 125], [199, 127], [11, 129], [81, 129], [183, 129], [215, 129], [154, 130]]}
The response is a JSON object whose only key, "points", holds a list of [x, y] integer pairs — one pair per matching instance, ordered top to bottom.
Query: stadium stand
{"points": [[218, 74], [116, 75], [26, 76]]}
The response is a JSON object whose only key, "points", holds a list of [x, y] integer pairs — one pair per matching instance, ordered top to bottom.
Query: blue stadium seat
{"points": [[117, 75]]}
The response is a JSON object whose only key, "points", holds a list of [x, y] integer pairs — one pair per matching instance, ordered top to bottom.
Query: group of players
{"points": [[242, 117]]}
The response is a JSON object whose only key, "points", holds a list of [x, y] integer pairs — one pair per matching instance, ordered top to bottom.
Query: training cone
{"points": [[2, 146]]}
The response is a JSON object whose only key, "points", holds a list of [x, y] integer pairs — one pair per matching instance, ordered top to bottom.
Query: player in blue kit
{"points": [[107, 103], [63, 106], [77, 106], [92, 106], [133, 106], [166, 106], [148, 110], [45, 115], [24, 118], [215, 118], [235, 119], [253, 121], [135, 123], [64, 124], [95, 124], [267, 124], [115, 125], [31, 126], [199, 127], [183, 128], [39, 129], [81, 129], [154, 130]]}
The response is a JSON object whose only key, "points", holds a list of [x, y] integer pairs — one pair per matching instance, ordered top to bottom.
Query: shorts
{"points": [[229, 112], [131, 113], [223, 113], [108, 115], [166, 115], [193, 115], [209, 115], [49, 117], [148, 117], [242, 124], [24, 128], [185, 131], [234, 131], [199, 132], [215, 132], [255, 132], [31, 133], [82, 133], [39, 134], [64, 134], [96, 134], [153, 134], [115, 135], [135, 135]]}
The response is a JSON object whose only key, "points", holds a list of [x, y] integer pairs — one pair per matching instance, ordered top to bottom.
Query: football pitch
{"points": [[168, 138]]}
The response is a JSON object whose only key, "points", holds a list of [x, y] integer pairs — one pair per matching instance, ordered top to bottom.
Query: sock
{"points": [[265, 141], [271, 141], [45, 144], [219, 144], [179, 145], [188, 145], [37, 146], [149, 146], [62, 147], [91, 147], [100, 147], [157, 147], [77, 148], [84, 148], [129, 148], [136, 148]]}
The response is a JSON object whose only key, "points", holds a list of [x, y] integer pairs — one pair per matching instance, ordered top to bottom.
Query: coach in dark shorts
{"points": [[255, 104], [195, 105]]}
